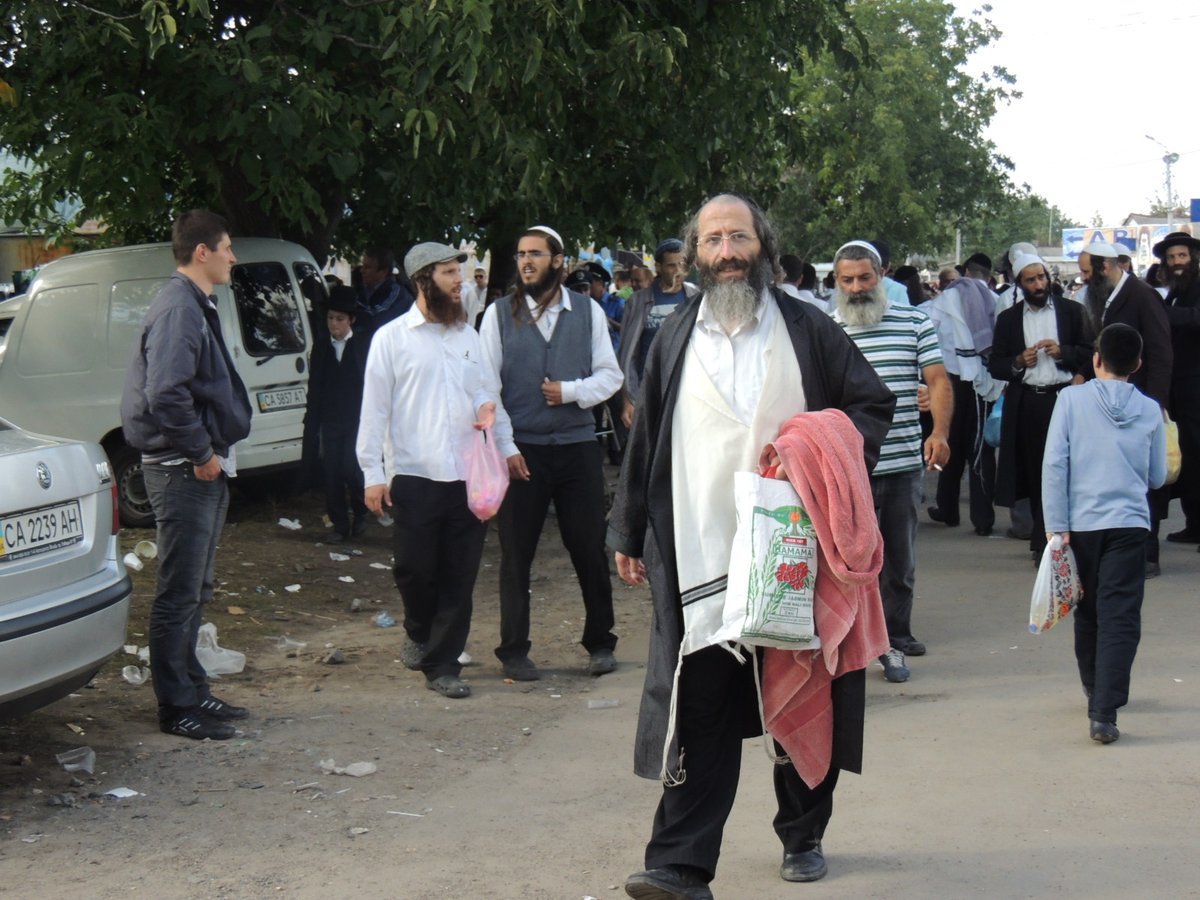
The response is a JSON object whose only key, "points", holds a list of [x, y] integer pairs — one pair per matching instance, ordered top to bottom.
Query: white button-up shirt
{"points": [[1041, 325], [736, 363], [424, 385]]}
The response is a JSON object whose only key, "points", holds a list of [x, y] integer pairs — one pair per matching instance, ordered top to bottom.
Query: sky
{"points": [[1097, 78]]}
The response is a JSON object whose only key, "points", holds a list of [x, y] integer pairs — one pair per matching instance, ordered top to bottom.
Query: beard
{"points": [[1180, 278], [544, 288], [1098, 292], [1038, 298], [733, 302], [442, 306], [862, 308]]}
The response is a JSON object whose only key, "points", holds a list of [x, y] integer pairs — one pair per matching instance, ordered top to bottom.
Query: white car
{"points": [[64, 592]]}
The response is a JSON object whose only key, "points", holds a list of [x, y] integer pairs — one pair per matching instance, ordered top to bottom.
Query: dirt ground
{"points": [[264, 792]]}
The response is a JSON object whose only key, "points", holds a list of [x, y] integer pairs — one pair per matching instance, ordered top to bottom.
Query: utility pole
{"points": [[1169, 159]]}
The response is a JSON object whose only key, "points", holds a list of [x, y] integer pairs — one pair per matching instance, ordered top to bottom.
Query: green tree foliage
{"points": [[341, 124], [897, 152], [1019, 216]]}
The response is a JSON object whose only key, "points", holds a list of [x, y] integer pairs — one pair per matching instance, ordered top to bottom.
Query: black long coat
{"points": [[1140, 306], [1075, 340], [641, 524]]}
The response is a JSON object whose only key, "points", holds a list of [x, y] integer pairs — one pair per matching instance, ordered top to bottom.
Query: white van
{"points": [[65, 343]]}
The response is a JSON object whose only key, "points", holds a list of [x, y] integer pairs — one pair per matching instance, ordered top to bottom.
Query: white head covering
{"points": [[546, 229], [865, 246], [1020, 248], [1100, 248], [1024, 261]]}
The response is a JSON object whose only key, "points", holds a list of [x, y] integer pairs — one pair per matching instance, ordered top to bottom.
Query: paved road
{"points": [[980, 779]]}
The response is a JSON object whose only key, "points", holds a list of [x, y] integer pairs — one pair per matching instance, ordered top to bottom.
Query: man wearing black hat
{"points": [[1180, 255], [644, 313], [965, 315], [335, 388], [428, 391]]}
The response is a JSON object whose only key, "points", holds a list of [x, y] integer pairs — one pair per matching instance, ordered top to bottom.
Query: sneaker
{"points": [[411, 654], [602, 662], [521, 669], [894, 669], [449, 686], [218, 709], [197, 726]]}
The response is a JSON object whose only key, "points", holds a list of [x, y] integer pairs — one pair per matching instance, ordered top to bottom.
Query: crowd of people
{"points": [[753, 367]]}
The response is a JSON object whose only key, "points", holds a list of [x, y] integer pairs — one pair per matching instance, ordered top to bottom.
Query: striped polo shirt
{"points": [[898, 348]]}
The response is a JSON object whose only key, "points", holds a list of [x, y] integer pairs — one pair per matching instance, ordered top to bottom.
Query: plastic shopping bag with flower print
{"points": [[772, 568], [1056, 589]]}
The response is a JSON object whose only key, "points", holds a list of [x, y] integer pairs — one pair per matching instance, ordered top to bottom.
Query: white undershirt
{"points": [[1041, 325]]}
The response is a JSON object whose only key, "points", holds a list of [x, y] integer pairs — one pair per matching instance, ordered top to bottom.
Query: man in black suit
{"points": [[1180, 255], [1113, 295], [1040, 346]]}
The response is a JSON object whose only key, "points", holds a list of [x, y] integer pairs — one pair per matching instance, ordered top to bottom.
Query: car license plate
{"points": [[284, 398], [40, 530]]}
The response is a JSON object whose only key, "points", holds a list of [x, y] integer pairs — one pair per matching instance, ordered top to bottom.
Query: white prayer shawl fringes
{"points": [[768, 741], [678, 777]]}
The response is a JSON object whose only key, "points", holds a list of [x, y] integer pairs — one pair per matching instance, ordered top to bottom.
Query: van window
{"points": [[312, 286], [127, 307], [267, 309], [60, 331]]}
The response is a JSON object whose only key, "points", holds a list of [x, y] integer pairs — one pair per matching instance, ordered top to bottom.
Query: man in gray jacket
{"points": [[184, 407]]}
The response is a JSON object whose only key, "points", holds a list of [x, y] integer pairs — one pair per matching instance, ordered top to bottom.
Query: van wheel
{"points": [[132, 499]]}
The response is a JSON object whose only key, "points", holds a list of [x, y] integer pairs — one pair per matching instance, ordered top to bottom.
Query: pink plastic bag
{"points": [[487, 476]]}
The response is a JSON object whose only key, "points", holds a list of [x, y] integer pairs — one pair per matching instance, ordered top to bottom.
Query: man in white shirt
{"points": [[474, 297], [549, 349], [427, 389]]}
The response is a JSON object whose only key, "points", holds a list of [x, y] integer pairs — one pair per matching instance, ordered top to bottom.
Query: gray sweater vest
{"points": [[529, 359]]}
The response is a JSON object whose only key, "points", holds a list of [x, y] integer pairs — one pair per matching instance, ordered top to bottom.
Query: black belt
{"points": [[1045, 388]]}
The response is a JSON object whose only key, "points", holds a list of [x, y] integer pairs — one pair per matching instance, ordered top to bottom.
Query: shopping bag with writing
{"points": [[487, 476], [772, 567], [1056, 589]]}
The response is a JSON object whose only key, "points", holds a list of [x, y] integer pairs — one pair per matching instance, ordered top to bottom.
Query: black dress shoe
{"points": [[936, 515], [984, 532], [1186, 536], [218, 709], [1104, 732], [808, 865], [668, 883]]}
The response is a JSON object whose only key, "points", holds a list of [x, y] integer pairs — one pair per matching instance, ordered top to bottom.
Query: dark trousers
{"points": [[1185, 410], [1033, 424], [967, 450], [572, 475], [343, 479], [897, 498], [189, 514], [437, 545], [1108, 618], [716, 695]]}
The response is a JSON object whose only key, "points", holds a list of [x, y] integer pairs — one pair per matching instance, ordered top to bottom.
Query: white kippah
{"points": [[546, 229], [865, 246], [1100, 248], [1024, 261]]}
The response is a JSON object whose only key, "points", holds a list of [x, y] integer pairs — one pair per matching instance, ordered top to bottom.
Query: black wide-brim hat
{"points": [[1176, 239], [343, 299]]}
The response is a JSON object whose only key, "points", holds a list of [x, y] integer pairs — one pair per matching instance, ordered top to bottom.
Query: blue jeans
{"points": [[897, 498], [189, 514]]}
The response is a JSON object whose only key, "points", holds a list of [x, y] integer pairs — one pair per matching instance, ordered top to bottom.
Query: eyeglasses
{"points": [[738, 239], [531, 254]]}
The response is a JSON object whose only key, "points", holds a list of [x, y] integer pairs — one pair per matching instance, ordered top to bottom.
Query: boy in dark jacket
{"points": [[335, 388]]}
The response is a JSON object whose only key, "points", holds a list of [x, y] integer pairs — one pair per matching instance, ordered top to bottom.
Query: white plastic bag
{"points": [[487, 476], [772, 568], [1056, 589], [217, 660]]}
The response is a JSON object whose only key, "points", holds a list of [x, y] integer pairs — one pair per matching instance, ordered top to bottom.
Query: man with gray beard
{"points": [[1113, 295], [901, 345], [727, 369]]}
